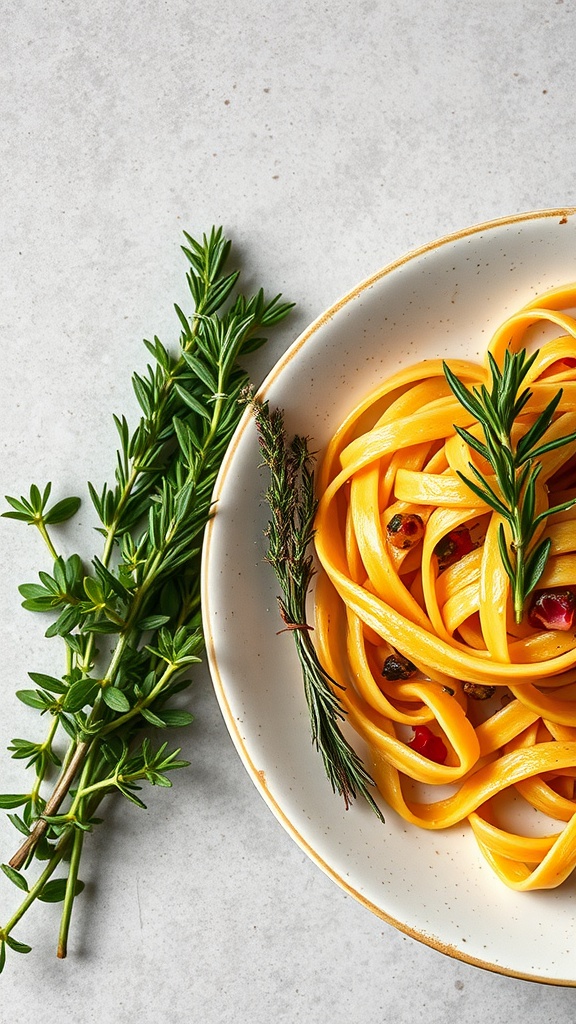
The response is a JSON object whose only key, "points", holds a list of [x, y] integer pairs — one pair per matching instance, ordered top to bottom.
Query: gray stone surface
{"points": [[328, 139]]}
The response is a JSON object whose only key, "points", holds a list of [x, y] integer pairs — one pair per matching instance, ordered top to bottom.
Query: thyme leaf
{"points": [[292, 504], [129, 618]]}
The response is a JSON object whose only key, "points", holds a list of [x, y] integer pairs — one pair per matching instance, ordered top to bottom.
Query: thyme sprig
{"points": [[516, 465], [290, 497], [129, 619]]}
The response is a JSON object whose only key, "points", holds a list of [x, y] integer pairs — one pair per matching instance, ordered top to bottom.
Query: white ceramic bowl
{"points": [[442, 300]]}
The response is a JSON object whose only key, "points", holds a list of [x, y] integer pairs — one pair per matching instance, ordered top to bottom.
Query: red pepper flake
{"points": [[559, 366], [405, 530], [453, 546], [553, 609], [426, 742]]}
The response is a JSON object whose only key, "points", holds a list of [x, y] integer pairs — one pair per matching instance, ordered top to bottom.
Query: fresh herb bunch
{"points": [[516, 466], [292, 504], [130, 620]]}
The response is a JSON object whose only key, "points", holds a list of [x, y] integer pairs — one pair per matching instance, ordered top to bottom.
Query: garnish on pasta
{"points": [[455, 674]]}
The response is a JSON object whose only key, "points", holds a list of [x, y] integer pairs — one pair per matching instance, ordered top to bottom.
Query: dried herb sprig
{"points": [[516, 466], [292, 504], [129, 619]]}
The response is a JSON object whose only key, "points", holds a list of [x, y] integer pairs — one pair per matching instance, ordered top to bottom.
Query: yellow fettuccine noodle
{"points": [[398, 452]]}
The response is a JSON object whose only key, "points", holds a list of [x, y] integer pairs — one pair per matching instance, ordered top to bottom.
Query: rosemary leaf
{"points": [[516, 467], [535, 565]]}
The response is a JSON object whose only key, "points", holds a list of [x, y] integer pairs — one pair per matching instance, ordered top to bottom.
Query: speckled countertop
{"points": [[328, 139]]}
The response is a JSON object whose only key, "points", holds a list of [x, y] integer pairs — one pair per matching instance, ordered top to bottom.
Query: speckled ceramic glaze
{"points": [[442, 300]]}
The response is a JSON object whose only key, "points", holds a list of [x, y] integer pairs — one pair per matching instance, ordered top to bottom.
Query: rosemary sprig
{"points": [[516, 466], [292, 504], [129, 619]]}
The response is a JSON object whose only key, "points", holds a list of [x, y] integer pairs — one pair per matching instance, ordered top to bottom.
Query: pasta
{"points": [[468, 715]]}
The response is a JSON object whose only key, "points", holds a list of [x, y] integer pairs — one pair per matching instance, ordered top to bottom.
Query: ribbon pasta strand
{"points": [[450, 622]]}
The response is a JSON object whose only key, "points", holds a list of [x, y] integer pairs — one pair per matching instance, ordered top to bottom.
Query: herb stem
{"points": [[41, 525], [112, 529], [144, 703], [46, 746], [86, 774], [52, 807], [39, 884], [70, 894]]}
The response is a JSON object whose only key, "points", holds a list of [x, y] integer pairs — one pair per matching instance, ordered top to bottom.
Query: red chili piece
{"points": [[567, 363], [404, 530], [453, 546], [553, 609], [425, 742]]}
